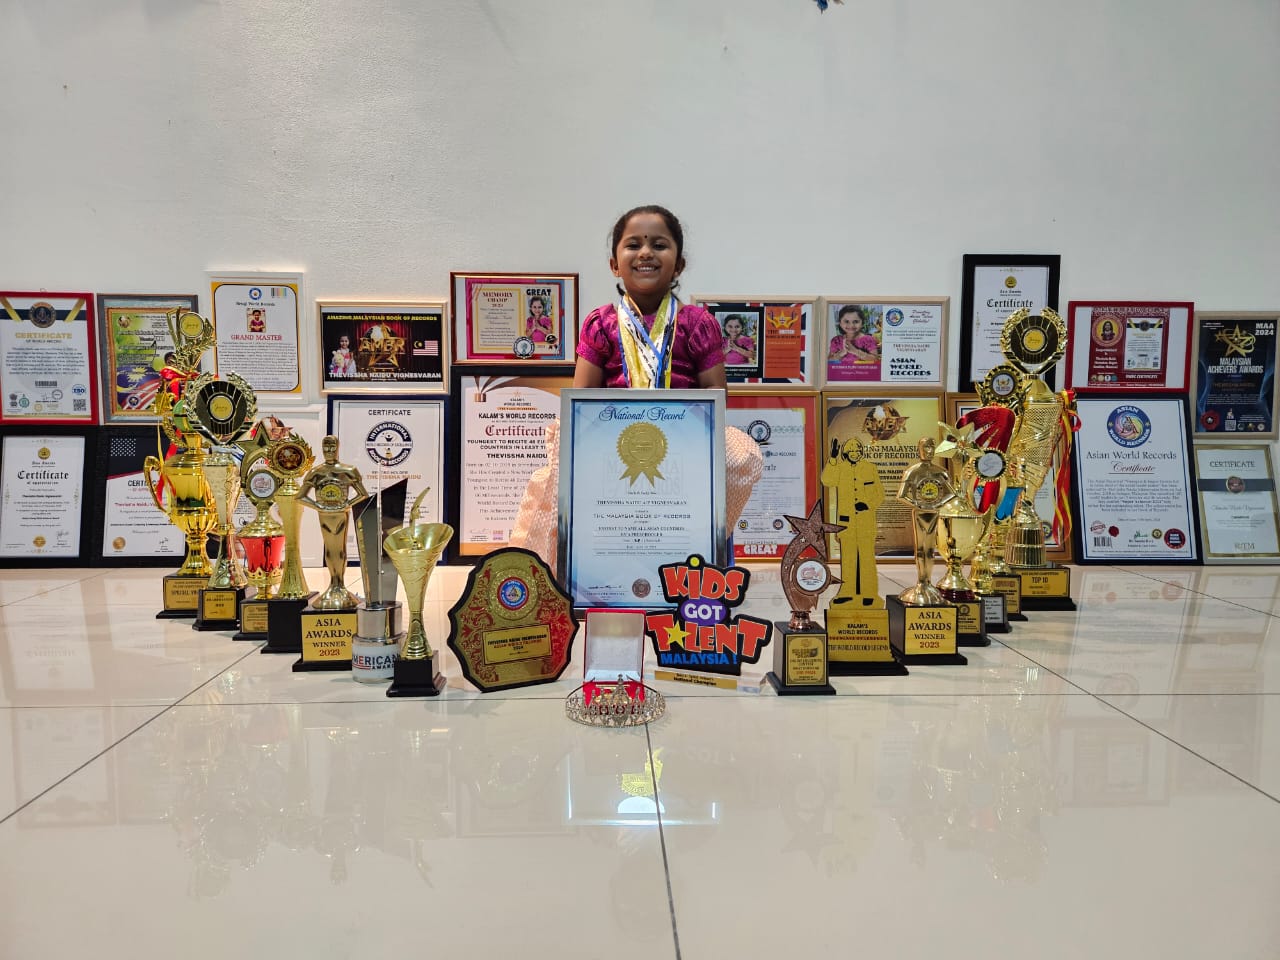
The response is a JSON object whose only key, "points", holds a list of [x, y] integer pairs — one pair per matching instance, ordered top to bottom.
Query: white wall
{"points": [[377, 145]]}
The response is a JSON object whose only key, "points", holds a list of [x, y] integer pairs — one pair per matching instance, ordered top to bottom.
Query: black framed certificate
{"points": [[994, 286], [766, 341], [383, 347], [1235, 375], [1132, 473], [45, 479], [642, 484], [1239, 519], [130, 529]]}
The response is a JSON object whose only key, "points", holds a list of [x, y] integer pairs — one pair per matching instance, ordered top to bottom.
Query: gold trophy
{"points": [[1033, 344], [1002, 387], [221, 410], [994, 425], [288, 458], [859, 492], [262, 538], [415, 549], [800, 657]]}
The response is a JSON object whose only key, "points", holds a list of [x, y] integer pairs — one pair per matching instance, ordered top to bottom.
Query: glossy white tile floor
{"points": [[1104, 783]]}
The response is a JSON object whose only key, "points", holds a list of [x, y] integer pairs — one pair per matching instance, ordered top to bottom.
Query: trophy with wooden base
{"points": [[288, 458], [415, 550], [800, 655]]}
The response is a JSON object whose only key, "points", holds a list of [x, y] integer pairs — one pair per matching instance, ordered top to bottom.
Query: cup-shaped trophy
{"points": [[288, 457], [180, 491], [415, 549], [379, 619]]}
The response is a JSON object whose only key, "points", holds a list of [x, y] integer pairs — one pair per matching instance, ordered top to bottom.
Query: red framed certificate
{"points": [[504, 317], [1128, 345], [46, 358]]}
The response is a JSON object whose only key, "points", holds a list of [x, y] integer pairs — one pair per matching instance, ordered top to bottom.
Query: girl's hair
{"points": [[669, 218]]}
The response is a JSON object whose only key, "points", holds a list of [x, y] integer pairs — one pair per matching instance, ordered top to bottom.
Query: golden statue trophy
{"points": [[1033, 344], [221, 411], [289, 458], [178, 487], [415, 549], [922, 624]]}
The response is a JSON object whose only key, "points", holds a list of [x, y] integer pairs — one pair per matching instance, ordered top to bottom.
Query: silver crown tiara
{"points": [[614, 707]]}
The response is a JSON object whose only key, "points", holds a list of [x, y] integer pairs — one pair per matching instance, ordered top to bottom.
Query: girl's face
{"points": [[645, 259], [536, 308], [851, 324], [733, 327], [344, 342]]}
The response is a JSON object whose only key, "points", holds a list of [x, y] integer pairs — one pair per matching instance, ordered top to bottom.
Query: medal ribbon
{"points": [[646, 354], [1062, 482]]}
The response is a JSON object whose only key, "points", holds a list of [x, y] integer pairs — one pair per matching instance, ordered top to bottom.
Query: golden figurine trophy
{"points": [[1033, 344], [221, 411], [288, 458], [176, 480], [415, 549], [922, 624]]}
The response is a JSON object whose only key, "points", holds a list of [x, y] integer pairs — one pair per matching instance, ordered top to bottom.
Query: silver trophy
{"points": [[379, 620]]}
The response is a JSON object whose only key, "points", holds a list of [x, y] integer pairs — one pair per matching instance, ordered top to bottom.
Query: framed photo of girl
{"points": [[994, 286], [500, 317], [135, 341], [767, 341], [883, 342], [1128, 345], [371, 346], [46, 358], [1234, 377]]}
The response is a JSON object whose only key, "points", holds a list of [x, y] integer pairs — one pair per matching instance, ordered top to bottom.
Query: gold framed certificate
{"points": [[1239, 514]]}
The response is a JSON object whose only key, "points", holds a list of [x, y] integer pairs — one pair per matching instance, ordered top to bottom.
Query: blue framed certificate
{"points": [[642, 484]]}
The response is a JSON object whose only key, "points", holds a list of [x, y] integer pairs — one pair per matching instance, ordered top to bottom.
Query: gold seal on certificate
{"points": [[642, 447], [513, 625]]}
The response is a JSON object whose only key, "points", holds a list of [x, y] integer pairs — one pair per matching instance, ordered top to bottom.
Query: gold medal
{"points": [[642, 447]]}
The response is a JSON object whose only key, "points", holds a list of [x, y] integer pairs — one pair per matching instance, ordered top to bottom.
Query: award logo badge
{"points": [[1033, 344], [289, 458], [415, 550], [379, 619], [922, 624], [513, 626], [800, 657]]}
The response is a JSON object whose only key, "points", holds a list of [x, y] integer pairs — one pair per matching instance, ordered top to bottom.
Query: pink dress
{"points": [[538, 328], [695, 349], [739, 351]]}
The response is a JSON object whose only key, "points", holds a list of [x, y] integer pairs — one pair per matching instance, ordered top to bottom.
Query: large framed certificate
{"points": [[994, 286], [514, 316], [258, 321], [135, 340], [767, 341], [888, 343], [1127, 345], [382, 347], [46, 358], [1235, 375], [502, 423], [787, 427], [889, 429], [394, 438], [1132, 472], [45, 477], [641, 485], [1239, 514], [129, 530]]}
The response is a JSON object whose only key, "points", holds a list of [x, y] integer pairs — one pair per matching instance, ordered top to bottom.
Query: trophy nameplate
{"points": [[1010, 587], [1046, 588], [181, 596], [995, 618], [253, 620], [971, 623], [284, 624], [513, 626], [924, 633], [326, 639], [800, 656]]}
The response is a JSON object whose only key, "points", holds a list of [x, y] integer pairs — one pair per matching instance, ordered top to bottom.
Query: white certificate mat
{"points": [[258, 321], [46, 357], [785, 426], [1132, 467], [641, 485], [1237, 490], [41, 496]]}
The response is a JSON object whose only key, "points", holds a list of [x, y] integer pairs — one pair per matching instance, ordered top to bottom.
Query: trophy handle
{"points": [[148, 465]]}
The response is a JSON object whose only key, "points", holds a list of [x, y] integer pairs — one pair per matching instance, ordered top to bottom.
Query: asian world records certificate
{"points": [[641, 485], [1237, 491], [41, 495]]}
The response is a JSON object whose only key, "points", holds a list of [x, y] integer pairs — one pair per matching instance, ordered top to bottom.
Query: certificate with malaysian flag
{"points": [[370, 346]]}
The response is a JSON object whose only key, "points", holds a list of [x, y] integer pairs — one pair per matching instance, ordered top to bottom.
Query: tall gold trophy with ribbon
{"points": [[1033, 343], [175, 478], [415, 550]]}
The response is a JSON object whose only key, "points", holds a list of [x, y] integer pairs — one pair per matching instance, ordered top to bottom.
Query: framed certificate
{"points": [[994, 286], [514, 316], [258, 320], [135, 338], [767, 341], [890, 343], [1127, 345], [382, 347], [46, 358], [1234, 385], [502, 425], [787, 426], [889, 429], [394, 438], [1132, 471], [45, 479], [641, 485], [1239, 515], [129, 529], [1057, 546]]}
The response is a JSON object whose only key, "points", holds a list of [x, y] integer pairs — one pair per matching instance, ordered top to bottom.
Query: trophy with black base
{"points": [[1034, 343], [1001, 389], [288, 458], [262, 538], [415, 550], [379, 620], [329, 621], [922, 624], [800, 655]]}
